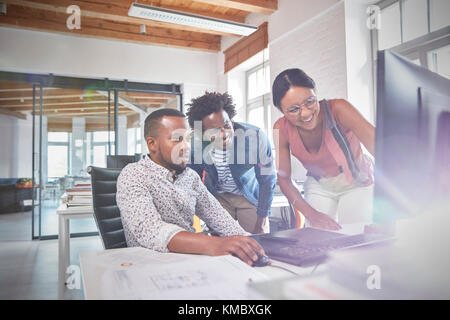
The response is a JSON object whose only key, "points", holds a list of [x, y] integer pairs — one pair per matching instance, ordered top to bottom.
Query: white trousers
{"points": [[342, 202]]}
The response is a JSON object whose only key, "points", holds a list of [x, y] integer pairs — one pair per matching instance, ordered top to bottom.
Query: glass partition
{"points": [[63, 126]]}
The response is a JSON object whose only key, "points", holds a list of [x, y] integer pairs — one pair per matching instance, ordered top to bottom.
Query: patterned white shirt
{"points": [[154, 207]]}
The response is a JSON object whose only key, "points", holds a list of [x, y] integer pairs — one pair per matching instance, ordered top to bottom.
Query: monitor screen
{"points": [[412, 140]]}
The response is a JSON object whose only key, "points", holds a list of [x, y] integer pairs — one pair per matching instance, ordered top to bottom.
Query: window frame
{"points": [[418, 47], [412, 49], [261, 100]]}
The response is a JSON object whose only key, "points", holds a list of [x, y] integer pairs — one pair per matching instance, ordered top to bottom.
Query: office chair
{"points": [[120, 161], [106, 211]]}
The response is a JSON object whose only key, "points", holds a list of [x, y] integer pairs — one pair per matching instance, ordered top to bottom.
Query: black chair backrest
{"points": [[120, 161], [106, 211]]}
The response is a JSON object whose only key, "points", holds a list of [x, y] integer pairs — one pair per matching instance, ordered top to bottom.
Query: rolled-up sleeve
{"points": [[213, 214], [141, 220]]}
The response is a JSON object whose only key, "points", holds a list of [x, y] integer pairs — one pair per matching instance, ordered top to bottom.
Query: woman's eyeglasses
{"points": [[309, 104]]}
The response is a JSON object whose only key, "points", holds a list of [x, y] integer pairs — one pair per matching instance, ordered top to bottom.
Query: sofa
{"points": [[12, 196]]}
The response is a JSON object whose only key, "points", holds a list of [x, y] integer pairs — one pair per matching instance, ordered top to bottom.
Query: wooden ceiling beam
{"points": [[256, 6], [104, 11], [40, 19], [148, 95], [11, 96], [46, 100], [151, 100], [81, 103], [130, 105], [66, 108], [13, 114], [77, 114], [53, 126]]}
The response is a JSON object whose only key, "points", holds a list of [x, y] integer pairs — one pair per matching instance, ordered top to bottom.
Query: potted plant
{"points": [[25, 183]]}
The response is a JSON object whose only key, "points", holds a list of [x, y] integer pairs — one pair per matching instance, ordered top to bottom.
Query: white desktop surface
{"points": [[96, 266]]}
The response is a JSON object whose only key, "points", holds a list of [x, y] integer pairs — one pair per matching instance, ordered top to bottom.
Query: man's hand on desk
{"points": [[247, 249]]}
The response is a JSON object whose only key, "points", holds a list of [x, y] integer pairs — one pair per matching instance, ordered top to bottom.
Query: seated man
{"points": [[234, 159], [158, 197]]}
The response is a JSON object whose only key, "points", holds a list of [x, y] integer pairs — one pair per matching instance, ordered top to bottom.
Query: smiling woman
{"points": [[325, 136]]}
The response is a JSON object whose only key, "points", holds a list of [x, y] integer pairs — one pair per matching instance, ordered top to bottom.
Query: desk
{"points": [[79, 212], [64, 215], [95, 264], [102, 272]]}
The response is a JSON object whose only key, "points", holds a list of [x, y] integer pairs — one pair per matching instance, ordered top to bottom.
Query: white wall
{"points": [[292, 13], [315, 45], [42, 52], [359, 58], [7, 141], [15, 142]]}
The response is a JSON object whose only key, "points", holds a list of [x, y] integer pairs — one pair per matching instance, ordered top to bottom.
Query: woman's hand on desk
{"points": [[320, 220], [247, 249]]}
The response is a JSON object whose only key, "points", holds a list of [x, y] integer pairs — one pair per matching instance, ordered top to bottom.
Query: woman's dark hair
{"points": [[287, 79], [209, 103]]}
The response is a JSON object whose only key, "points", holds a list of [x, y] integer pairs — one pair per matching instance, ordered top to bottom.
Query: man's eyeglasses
{"points": [[309, 104]]}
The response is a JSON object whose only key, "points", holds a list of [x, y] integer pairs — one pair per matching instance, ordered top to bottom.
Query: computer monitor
{"points": [[412, 148], [120, 161]]}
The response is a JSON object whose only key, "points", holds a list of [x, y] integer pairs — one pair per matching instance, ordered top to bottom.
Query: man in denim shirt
{"points": [[233, 159]]}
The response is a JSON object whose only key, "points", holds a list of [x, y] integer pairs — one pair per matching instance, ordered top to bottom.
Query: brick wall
{"points": [[317, 47]]}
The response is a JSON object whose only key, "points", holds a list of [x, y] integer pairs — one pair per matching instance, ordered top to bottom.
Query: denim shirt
{"points": [[251, 165]]}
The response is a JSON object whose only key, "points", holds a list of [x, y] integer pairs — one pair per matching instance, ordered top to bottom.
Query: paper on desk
{"points": [[137, 256], [223, 277]]}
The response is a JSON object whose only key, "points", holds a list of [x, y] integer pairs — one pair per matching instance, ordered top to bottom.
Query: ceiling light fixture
{"points": [[171, 16]]}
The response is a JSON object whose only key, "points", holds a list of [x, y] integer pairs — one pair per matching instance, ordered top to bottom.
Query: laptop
{"points": [[309, 246]]}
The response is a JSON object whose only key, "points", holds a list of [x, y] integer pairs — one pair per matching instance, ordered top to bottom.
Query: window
{"points": [[406, 20], [416, 29], [439, 61], [258, 96], [256, 117], [58, 137], [134, 140], [97, 147], [58, 154], [58, 164]]}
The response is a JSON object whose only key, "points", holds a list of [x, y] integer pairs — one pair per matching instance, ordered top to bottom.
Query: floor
{"points": [[29, 269]]}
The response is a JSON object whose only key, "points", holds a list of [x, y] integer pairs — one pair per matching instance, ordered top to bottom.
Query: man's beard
{"points": [[178, 168]]}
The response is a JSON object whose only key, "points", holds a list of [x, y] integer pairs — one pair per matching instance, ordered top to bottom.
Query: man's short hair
{"points": [[209, 103], [153, 120]]}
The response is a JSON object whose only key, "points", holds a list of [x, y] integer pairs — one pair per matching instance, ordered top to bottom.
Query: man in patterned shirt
{"points": [[158, 197]]}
